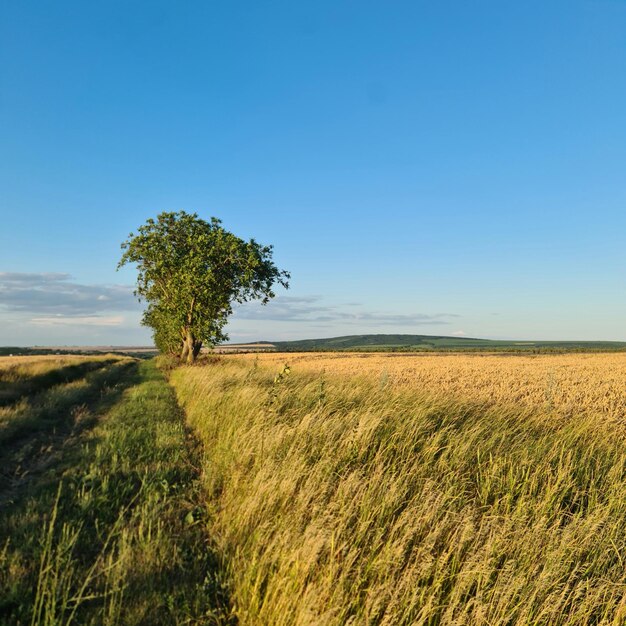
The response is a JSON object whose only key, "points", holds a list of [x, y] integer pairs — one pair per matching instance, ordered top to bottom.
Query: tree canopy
{"points": [[190, 273]]}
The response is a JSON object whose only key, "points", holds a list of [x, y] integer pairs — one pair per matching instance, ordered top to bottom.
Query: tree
{"points": [[191, 272]]}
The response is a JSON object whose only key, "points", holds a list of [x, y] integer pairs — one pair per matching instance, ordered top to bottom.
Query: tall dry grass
{"points": [[15, 368], [354, 500]]}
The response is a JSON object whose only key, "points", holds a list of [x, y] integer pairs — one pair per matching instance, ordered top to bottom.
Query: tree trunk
{"points": [[197, 346], [191, 348], [184, 351]]}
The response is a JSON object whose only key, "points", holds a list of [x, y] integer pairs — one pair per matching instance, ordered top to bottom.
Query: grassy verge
{"points": [[53, 408], [341, 501], [113, 531]]}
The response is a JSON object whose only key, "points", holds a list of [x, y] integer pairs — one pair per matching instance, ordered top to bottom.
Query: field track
{"points": [[101, 516]]}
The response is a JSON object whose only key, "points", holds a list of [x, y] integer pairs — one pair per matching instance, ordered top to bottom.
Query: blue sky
{"points": [[420, 167]]}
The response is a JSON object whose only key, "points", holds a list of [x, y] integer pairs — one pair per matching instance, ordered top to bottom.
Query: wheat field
{"points": [[566, 383], [415, 490]]}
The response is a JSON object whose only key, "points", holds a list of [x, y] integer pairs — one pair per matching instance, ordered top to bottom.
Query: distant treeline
{"points": [[17, 351]]}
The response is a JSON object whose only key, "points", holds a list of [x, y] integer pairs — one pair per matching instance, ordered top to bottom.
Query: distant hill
{"points": [[437, 342]]}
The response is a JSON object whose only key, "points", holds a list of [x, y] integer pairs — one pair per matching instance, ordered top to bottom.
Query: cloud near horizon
{"points": [[52, 296], [52, 304], [311, 309], [70, 320]]}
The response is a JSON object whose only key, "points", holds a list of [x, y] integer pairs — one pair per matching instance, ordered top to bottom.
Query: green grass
{"points": [[339, 501], [110, 528]]}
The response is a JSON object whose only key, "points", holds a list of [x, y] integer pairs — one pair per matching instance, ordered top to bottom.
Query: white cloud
{"points": [[70, 320]]}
